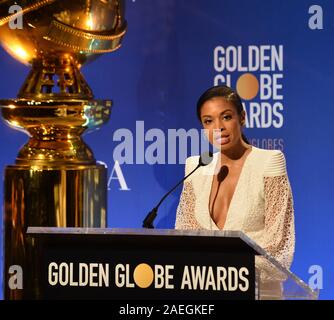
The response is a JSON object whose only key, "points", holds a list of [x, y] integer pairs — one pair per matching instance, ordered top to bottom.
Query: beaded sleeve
{"points": [[185, 213], [279, 236]]}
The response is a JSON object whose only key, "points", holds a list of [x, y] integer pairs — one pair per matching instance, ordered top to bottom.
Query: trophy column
{"points": [[59, 197]]}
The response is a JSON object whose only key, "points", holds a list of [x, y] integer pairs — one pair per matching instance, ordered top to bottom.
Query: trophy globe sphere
{"points": [[83, 29]]}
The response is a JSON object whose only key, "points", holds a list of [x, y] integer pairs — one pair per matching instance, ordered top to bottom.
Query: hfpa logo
{"points": [[16, 17]]}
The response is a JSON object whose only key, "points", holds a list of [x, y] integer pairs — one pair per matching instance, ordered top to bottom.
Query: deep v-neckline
{"points": [[234, 192]]}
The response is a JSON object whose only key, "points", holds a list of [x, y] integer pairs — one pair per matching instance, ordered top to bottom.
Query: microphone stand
{"points": [[148, 221]]}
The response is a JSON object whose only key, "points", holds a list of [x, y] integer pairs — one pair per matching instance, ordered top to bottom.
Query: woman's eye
{"points": [[227, 117], [207, 121]]}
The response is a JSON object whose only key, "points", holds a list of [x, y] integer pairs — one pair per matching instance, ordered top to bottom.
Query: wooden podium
{"points": [[145, 264]]}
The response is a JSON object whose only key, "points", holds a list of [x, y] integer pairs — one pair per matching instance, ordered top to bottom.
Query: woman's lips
{"points": [[222, 140]]}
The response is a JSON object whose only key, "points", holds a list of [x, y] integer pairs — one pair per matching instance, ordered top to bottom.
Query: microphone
{"points": [[204, 160]]}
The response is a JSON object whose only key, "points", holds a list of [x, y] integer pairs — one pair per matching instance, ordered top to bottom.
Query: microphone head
{"points": [[205, 158]]}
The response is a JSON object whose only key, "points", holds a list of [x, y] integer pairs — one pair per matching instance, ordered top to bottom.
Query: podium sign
{"points": [[140, 264], [151, 264]]}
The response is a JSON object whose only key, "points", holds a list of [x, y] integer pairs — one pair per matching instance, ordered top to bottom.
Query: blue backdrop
{"points": [[172, 52]]}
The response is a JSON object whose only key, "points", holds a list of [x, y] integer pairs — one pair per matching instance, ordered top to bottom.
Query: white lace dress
{"points": [[261, 206]]}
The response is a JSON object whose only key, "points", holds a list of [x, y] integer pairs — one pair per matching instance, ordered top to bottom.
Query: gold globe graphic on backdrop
{"points": [[247, 86], [56, 180]]}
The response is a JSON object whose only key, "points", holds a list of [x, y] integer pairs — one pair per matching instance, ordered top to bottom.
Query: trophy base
{"points": [[64, 196]]}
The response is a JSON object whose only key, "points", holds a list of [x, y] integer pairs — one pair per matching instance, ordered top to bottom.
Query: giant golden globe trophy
{"points": [[56, 180]]}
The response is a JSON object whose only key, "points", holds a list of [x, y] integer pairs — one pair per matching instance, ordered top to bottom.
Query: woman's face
{"points": [[222, 123]]}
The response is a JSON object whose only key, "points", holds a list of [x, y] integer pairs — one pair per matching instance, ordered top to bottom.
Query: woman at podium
{"points": [[244, 188]]}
